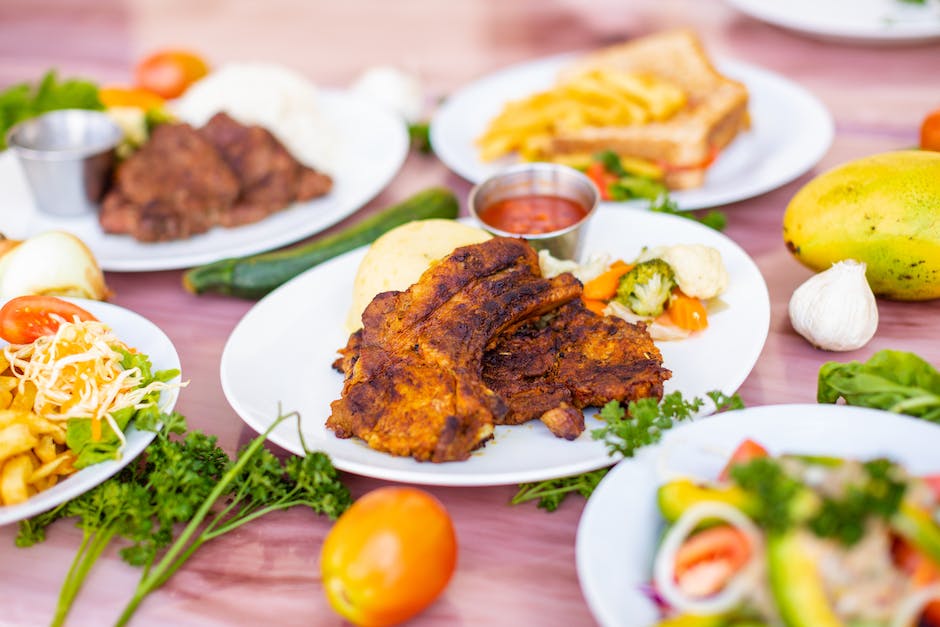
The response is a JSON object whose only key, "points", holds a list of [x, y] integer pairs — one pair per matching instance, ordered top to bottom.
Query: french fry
{"points": [[597, 98], [25, 399], [16, 438], [51, 468], [14, 487]]}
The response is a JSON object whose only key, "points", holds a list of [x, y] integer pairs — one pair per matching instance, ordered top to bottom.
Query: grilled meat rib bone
{"points": [[416, 388]]}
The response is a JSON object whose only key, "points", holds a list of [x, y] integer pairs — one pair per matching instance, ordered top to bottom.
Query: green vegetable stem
{"points": [[184, 480]]}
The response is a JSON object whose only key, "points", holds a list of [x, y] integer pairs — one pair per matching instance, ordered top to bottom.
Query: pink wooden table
{"points": [[517, 564]]}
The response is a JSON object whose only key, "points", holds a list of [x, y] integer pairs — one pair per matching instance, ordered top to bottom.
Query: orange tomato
{"points": [[169, 73], [130, 97], [930, 131], [746, 451], [388, 556]]}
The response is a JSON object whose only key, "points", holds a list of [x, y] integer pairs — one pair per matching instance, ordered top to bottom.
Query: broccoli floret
{"points": [[646, 287]]}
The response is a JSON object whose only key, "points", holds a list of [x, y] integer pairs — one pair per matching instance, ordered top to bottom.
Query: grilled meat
{"points": [[183, 181], [574, 358], [547, 366], [416, 388]]}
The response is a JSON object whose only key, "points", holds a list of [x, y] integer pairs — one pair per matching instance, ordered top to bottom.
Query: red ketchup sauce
{"points": [[533, 214]]}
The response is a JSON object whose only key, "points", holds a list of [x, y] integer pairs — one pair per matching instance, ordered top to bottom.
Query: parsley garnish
{"points": [[625, 431], [183, 480], [774, 488]]}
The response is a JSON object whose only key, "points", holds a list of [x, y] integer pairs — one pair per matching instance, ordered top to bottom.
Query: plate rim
{"points": [[874, 34], [814, 146], [143, 261], [107, 469], [420, 476], [597, 603]]}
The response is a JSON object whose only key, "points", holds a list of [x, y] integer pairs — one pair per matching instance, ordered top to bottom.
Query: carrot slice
{"points": [[604, 286], [597, 306], [687, 312]]}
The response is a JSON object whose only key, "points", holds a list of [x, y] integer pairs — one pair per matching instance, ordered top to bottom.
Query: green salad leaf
{"points": [[24, 100], [895, 381]]}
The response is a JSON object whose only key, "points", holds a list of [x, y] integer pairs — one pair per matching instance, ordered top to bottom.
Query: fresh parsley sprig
{"points": [[624, 432], [184, 480]]}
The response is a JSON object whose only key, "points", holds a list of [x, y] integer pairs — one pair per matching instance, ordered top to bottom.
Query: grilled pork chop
{"points": [[184, 181], [570, 359], [416, 387]]}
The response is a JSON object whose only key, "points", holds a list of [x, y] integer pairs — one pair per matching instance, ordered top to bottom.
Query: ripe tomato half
{"points": [[169, 72], [930, 131], [25, 318], [388, 556]]}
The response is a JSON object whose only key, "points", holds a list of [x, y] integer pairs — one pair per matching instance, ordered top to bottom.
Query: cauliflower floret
{"points": [[596, 264], [699, 270]]}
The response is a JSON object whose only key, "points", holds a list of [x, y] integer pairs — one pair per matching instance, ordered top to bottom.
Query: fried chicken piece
{"points": [[174, 187], [572, 358], [416, 388]]}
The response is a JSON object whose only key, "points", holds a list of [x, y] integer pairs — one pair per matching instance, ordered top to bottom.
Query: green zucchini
{"points": [[256, 275]]}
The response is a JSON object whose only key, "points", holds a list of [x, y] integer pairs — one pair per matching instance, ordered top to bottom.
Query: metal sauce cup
{"points": [[67, 157], [540, 179]]}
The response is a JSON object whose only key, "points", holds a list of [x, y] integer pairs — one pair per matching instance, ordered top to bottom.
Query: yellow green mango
{"points": [[884, 210]]}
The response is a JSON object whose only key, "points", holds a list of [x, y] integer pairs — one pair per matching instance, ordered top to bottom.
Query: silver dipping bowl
{"points": [[67, 157], [541, 179]]}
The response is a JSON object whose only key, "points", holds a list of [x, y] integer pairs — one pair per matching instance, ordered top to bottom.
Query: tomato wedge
{"points": [[25, 318], [746, 451], [707, 560]]}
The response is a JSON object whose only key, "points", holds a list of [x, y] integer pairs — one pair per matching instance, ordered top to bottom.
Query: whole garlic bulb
{"points": [[836, 309]]}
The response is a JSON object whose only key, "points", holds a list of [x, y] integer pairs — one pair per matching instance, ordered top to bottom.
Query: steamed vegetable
{"points": [[255, 276], [646, 287]]}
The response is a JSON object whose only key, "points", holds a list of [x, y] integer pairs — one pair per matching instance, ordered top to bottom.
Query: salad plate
{"points": [[854, 21], [370, 146], [763, 158], [137, 332], [280, 355], [621, 524]]}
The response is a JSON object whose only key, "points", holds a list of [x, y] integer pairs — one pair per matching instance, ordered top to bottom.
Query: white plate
{"points": [[863, 21], [371, 146], [767, 156], [140, 333], [280, 354], [620, 526]]}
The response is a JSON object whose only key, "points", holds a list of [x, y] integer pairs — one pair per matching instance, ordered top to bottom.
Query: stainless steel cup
{"points": [[67, 157], [545, 179]]}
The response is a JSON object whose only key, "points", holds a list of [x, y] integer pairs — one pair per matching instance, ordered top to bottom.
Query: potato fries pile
{"points": [[591, 99], [74, 373], [33, 455]]}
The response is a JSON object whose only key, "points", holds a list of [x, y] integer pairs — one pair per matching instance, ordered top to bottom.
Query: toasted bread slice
{"points": [[684, 144]]}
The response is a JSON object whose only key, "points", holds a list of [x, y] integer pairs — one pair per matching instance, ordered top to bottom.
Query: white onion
{"points": [[740, 584]]}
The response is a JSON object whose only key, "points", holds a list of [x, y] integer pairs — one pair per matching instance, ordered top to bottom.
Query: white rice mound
{"points": [[277, 98]]}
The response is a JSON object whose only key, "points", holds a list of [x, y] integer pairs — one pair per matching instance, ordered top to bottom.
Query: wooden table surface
{"points": [[517, 564]]}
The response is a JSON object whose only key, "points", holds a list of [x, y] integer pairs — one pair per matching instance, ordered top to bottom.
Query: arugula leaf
{"points": [[23, 101], [630, 187], [713, 219], [895, 381]]}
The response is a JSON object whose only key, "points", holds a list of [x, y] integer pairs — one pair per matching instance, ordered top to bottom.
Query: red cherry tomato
{"points": [[169, 73], [930, 131], [25, 318], [746, 451], [388, 556]]}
